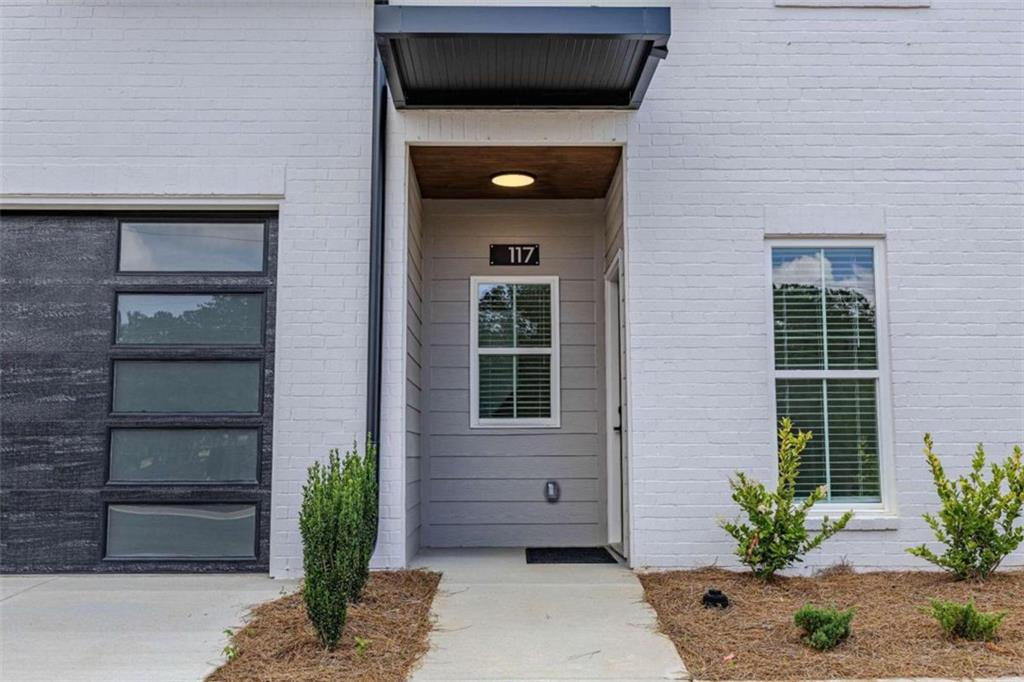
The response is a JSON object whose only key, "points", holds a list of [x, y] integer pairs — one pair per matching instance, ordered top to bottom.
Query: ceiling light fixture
{"points": [[513, 179]]}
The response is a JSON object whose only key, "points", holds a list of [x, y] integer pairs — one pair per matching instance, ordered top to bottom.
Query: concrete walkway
{"points": [[499, 618], [122, 628]]}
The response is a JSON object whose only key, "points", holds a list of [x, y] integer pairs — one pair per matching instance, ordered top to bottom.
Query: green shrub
{"points": [[361, 477], [976, 518], [338, 522], [775, 535], [964, 620], [823, 628], [230, 650]]}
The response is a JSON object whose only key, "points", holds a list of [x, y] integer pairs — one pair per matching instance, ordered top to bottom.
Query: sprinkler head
{"points": [[715, 599]]}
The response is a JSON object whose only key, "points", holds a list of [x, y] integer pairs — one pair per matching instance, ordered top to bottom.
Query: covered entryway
{"points": [[519, 410], [513, 412]]}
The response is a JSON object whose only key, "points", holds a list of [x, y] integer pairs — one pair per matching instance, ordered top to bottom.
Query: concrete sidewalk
{"points": [[499, 618], [122, 628]]}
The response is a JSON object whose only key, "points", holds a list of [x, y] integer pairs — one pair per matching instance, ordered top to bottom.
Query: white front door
{"points": [[615, 385]]}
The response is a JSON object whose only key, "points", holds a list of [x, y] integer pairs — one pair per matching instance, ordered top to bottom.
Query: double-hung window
{"points": [[514, 352], [828, 365]]}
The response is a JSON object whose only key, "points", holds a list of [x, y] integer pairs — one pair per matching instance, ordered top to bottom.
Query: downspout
{"points": [[375, 320]]}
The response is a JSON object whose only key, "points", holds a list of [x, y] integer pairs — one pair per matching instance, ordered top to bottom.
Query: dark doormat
{"points": [[569, 555]]}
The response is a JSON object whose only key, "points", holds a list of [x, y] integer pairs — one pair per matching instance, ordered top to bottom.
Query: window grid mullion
{"points": [[824, 312], [785, 316], [515, 326], [515, 351], [515, 360], [827, 374], [515, 387], [828, 450]]}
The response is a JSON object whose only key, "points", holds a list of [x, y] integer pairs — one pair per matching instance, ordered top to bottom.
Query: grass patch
{"points": [[384, 635], [756, 639]]}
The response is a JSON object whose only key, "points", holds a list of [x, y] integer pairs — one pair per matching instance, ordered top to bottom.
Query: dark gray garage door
{"points": [[137, 391]]}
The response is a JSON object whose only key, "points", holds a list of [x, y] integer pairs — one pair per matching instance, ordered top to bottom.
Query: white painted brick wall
{"points": [[170, 84], [908, 120], [893, 121]]}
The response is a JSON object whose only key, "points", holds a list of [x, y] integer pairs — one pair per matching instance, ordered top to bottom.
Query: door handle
{"points": [[617, 428]]}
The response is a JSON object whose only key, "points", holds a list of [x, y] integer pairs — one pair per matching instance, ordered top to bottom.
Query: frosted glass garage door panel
{"points": [[191, 247], [190, 319], [186, 386], [184, 455], [208, 531]]}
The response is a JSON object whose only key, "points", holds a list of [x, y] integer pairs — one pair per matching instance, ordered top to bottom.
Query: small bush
{"points": [[361, 479], [976, 518], [338, 522], [775, 535], [965, 621], [823, 628], [230, 650]]}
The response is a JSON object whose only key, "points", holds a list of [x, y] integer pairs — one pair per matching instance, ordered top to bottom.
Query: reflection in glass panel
{"points": [[191, 247], [796, 294], [494, 302], [532, 304], [528, 305], [850, 308], [190, 319], [837, 333], [186, 386], [497, 399], [161, 455], [205, 531]]}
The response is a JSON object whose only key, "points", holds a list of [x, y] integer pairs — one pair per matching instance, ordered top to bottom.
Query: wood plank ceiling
{"points": [[561, 172]]}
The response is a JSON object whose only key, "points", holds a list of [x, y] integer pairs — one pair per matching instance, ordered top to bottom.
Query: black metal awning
{"points": [[445, 57]]}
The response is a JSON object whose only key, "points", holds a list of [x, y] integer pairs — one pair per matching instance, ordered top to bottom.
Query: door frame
{"points": [[617, 459]]}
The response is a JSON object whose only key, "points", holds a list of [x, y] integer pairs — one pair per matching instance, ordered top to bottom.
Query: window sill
{"points": [[874, 4], [515, 425], [877, 520]]}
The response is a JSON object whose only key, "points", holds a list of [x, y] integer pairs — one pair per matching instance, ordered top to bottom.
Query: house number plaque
{"points": [[515, 254]]}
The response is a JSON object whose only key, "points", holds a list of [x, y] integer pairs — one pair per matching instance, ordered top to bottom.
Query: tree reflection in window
{"points": [[206, 319]]}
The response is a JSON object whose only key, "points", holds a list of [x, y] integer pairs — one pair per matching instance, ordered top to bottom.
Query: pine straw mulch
{"points": [[755, 638], [278, 644]]}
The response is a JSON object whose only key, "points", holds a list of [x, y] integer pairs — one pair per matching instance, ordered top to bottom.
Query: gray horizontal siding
{"points": [[613, 236], [414, 359], [510, 443], [552, 464], [485, 487], [509, 490], [509, 512], [516, 535]]}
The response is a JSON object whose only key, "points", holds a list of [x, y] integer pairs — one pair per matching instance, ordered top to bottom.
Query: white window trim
{"points": [[857, 4], [475, 422], [886, 508]]}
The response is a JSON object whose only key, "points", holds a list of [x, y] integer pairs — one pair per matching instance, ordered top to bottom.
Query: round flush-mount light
{"points": [[513, 179]]}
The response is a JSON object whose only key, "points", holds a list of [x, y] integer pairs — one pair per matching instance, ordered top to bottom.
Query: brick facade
{"points": [[765, 120]]}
